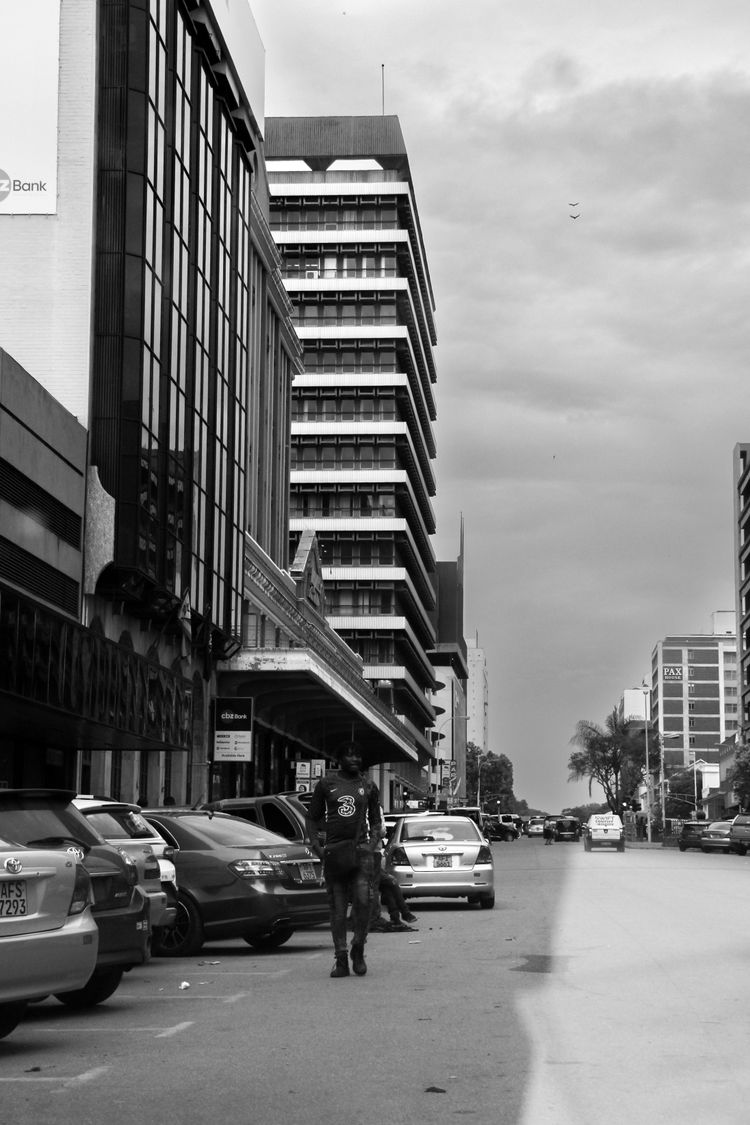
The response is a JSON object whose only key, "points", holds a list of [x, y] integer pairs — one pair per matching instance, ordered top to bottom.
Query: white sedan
{"points": [[442, 857]]}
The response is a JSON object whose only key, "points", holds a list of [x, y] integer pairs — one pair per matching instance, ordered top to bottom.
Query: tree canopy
{"points": [[613, 756], [739, 776], [496, 790]]}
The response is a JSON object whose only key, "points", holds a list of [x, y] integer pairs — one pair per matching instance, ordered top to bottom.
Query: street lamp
{"points": [[646, 716]]}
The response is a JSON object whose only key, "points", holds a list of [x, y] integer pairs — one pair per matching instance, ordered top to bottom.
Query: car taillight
{"points": [[484, 855], [398, 858], [131, 868], [151, 869], [257, 869], [83, 895]]}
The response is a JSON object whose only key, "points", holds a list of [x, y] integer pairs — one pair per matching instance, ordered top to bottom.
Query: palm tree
{"points": [[611, 755]]}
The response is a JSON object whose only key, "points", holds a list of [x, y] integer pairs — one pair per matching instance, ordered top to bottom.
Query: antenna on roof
{"points": [[382, 87]]}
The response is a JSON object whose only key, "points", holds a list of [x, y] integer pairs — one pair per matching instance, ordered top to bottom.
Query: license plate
{"points": [[442, 861], [307, 872], [13, 899]]}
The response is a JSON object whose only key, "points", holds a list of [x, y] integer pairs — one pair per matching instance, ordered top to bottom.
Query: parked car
{"points": [[282, 813], [47, 818], [122, 825], [535, 825], [604, 830], [690, 834], [739, 834], [715, 836], [442, 857], [236, 880], [48, 937]]}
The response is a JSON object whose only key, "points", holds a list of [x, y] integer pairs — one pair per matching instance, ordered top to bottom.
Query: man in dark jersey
{"points": [[346, 806]]}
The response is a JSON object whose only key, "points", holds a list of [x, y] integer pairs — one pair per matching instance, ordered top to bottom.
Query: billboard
{"points": [[29, 76], [233, 730]]}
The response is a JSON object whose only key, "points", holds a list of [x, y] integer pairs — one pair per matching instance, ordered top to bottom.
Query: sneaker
{"points": [[410, 917], [358, 960], [341, 966]]}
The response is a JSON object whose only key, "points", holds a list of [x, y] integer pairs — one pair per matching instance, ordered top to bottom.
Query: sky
{"points": [[592, 372]]}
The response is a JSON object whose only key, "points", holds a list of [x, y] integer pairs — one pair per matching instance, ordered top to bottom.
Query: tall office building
{"points": [[344, 216], [147, 359], [742, 582], [695, 692], [477, 696]]}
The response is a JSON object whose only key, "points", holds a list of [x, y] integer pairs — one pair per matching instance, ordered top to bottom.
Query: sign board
{"points": [[29, 63], [672, 672], [233, 730], [307, 774]]}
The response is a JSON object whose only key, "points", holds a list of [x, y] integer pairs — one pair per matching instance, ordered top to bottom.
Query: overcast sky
{"points": [[592, 372]]}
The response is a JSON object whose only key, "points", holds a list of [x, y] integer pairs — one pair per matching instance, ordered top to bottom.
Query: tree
{"points": [[613, 756], [739, 776], [496, 789], [679, 799]]}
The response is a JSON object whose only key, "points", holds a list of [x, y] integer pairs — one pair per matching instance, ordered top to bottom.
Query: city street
{"points": [[603, 987]]}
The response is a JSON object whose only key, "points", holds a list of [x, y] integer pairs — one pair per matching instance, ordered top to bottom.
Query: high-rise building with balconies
{"points": [[344, 216]]}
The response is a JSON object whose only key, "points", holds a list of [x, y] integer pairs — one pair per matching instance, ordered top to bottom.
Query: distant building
{"points": [[742, 583], [477, 691], [695, 692]]}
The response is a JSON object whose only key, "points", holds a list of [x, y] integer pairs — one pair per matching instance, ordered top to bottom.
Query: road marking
{"points": [[178, 1027], [76, 1080]]}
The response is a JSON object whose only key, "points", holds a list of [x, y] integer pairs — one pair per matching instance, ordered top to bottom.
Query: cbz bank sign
{"points": [[29, 57]]}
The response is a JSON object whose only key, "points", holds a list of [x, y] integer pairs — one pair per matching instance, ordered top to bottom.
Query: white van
{"points": [[604, 830]]}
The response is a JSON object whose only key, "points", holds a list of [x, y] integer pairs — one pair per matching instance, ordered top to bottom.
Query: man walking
{"points": [[346, 806]]}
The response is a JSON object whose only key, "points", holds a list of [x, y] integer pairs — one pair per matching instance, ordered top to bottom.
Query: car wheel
{"points": [[682, 847], [704, 849], [741, 849], [487, 902], [186, 936], [269, 941], [99, 987], [10, 1017]]}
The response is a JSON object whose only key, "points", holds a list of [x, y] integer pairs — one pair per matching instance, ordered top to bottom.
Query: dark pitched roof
{"points": [[321, 140]]}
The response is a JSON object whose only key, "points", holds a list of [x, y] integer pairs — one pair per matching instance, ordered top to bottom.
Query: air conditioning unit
{"points": [[311, 273]]}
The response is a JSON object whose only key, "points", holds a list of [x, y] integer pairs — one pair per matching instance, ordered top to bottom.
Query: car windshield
{"points": [[27, 817], [120, 825], [719, 826], [436, 829], [229, 831]]}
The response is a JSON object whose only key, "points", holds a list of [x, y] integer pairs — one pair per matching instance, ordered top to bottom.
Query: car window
{"points": [[25, 817], [277, 821], [120, 825], [435, 829], [228, 831]]}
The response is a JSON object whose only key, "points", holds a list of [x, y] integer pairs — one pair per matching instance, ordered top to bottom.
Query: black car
{"points": [[47, 818], [690, 835], [236, 880]]}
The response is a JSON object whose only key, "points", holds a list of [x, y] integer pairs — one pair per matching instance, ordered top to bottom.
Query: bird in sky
{"points": [[574, 205], [576, 216]]}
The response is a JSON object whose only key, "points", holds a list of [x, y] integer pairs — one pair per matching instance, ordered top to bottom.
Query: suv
{"points": [[282, 813], [47, 818], [122, 825], [604, 830], [690, 834], [739, 834]]}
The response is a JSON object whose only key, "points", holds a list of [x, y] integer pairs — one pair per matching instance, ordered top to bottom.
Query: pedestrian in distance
{"points": [[346, 806], [548, 832]]}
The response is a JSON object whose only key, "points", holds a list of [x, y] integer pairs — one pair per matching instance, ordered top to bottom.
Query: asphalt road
{"points": [[603, 988]]}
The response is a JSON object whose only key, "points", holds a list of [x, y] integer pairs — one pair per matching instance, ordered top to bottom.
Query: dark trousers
{"points": [[356, 889], [392, 897]]}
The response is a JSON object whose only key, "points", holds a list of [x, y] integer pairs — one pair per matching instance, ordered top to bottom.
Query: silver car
{"points": [[442, 857], [48, 936]]}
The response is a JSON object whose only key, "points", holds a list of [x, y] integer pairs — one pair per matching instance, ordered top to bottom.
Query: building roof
{"points": [[321, 140]]}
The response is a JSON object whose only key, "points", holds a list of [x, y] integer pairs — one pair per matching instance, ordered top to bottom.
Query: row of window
{"points": [[346, 455]]}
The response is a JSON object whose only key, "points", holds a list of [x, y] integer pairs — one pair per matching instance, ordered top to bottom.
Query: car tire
{"points": [[682, 847], [704, 849], [741, 849], [487, 902], [186, 936], [269, 941], [98, 988], [10, 1016]]}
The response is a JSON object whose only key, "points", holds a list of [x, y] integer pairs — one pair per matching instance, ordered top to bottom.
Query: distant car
{"points": [[47, 818], [122, 825], [535, 825], [567, 828], [496, 829], [604, 830], [690, 834], [739, 834], [715, 836], [442, 857], [236, 880], [49, 939]]}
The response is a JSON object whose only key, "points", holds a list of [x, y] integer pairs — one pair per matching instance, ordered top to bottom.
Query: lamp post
{"points": [[646, 716], [436, 736]]}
